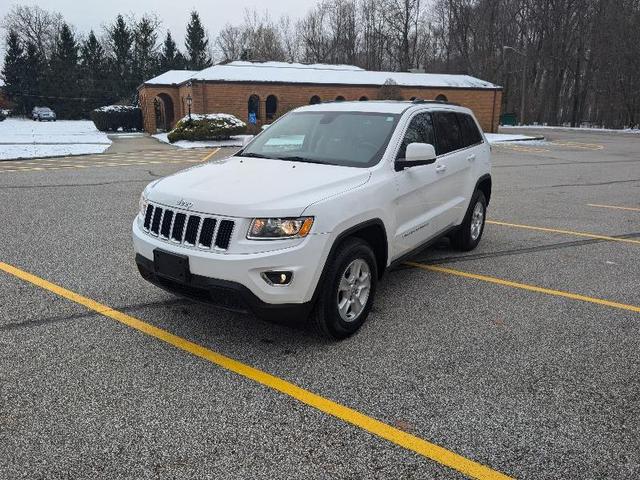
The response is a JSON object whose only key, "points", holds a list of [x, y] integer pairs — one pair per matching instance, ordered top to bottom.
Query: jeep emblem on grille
{"points": [[184, 204]]}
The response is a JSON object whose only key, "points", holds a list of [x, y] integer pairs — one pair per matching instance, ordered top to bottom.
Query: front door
{"points": [[419, 198]]}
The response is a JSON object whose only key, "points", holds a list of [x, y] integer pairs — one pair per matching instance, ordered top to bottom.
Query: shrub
{"points": [[390, 91], [2, 115], [115, 117], [212, 126]]}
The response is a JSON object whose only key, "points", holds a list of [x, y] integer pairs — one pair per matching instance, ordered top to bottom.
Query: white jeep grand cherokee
{"points": [[305, 219]]}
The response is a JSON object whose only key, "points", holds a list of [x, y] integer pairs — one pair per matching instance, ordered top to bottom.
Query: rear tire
{"points": [[470, 231], [347, 291]]}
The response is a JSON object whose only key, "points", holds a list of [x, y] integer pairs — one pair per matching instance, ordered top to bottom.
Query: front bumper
{"points": [[242, 272]]}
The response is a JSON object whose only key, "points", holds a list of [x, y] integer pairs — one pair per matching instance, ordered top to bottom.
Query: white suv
{"points": [[307, 217]]}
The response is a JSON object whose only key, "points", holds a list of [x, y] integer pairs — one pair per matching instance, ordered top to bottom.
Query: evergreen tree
{"points": [[121, 42], [197, 44], [145, 56], [170, 56], [35, 67], [13, 70], [93, 73], [62, 84]]}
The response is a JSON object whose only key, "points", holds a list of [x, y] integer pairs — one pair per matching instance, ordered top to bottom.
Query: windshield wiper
{"points": [[254, 155], [302, 159]]}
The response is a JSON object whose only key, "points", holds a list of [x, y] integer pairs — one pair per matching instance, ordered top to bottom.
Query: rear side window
{"points": [[420, 130], [470, 133], [449, 136]]}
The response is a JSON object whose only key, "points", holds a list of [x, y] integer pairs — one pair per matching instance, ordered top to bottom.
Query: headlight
{"points": [[143, 204], [273, 228]]}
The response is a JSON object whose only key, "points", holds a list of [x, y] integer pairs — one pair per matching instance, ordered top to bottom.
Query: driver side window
{"points": [[420, 130]]}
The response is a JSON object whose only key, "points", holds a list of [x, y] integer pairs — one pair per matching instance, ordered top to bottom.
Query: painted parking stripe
{"points": [[211, 154], [100, 165], [614, 207], [565, 232], [525, 286], [394, 435]]}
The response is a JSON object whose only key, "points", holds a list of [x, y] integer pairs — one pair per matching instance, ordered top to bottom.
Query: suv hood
{"points": [[255, 187]]}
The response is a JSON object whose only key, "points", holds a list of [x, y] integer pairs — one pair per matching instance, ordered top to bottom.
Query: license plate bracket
{"points": [[171, 265]]}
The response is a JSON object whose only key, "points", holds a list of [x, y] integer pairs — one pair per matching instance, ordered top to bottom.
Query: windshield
{"points": [[355, 139]]}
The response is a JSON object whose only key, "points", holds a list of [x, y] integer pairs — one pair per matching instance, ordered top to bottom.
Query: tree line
{"points": [[571, 61], [48, 63]]}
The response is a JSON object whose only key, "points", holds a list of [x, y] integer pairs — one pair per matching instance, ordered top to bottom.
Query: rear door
{"points": [[453, 166]]}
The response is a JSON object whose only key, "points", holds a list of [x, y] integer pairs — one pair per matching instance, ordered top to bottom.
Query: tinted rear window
{"points": [[470, 133], [448, 134]]}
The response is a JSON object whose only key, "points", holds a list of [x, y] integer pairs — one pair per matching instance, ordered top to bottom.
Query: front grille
{"points": [[190, 230]]}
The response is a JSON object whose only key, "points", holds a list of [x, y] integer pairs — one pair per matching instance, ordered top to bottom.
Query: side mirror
{"points": [[417, 154]]}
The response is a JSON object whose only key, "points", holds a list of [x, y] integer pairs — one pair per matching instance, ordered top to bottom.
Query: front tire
{"points": [[470, 232], [347, 292]]}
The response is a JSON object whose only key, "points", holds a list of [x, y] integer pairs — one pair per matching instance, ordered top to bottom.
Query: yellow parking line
{"points": [[579, 145], [211, 154], [98, 165], [631, 209], [565, 232], [524, 286], [349, 415]]}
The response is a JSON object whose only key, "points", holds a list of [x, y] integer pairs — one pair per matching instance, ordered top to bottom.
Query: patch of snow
{"points": [[319, 73], [116, 108], [231, 119], [573, 129], [125, 134], [506, 137], [22, 138], [235, 141], [16, 151]]}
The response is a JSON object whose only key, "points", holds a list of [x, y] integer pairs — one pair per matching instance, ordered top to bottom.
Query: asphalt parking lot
{"points": [[519, 359]]}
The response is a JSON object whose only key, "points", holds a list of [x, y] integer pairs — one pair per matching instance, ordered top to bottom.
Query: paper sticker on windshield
{"points": [[389, 119]]}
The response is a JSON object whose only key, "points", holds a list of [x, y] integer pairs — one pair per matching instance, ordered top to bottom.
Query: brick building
{"points": [[260, 92]]}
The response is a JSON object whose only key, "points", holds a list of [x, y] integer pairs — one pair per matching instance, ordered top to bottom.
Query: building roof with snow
{"points": [[282, 72]]}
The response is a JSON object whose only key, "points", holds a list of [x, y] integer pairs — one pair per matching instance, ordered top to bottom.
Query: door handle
{"points": [[471, 158], [441, 168]]}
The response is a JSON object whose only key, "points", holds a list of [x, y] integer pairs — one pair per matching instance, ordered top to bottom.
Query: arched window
{"points": [[339, 98], [363, 98], [413, 98], [441, 98], [314, 100], [271, 107], [253, 108]]}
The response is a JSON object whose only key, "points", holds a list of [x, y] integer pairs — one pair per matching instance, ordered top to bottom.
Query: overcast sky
{"points": [[174, 14]]}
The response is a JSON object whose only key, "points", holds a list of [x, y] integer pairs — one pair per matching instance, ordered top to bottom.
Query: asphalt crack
{"points": [[88, 314]]}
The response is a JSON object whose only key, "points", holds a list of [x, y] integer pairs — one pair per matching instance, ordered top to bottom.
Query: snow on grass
{"points": [[573, 129], [21, 130], [79, 136], [506, 137], [235, 141], [17, 151]]}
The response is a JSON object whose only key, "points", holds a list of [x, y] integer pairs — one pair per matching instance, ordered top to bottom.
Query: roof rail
{"points": [[440, 102]]}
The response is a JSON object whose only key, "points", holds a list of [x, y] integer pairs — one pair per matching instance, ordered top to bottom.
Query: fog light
{"points": [[277, 278]]}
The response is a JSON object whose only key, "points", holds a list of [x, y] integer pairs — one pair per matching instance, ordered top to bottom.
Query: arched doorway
{"points": [[339, 98], [364, 98], [441, 98], [314, 100], [163, 106], [271, 107], [253, 108]]}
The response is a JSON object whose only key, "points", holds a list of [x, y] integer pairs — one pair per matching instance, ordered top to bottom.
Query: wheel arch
{"points": [[484, 184], [371, 231]]}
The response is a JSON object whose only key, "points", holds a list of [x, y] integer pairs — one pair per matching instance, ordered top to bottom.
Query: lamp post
{"points": [[524, 79], [189, 102]]}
